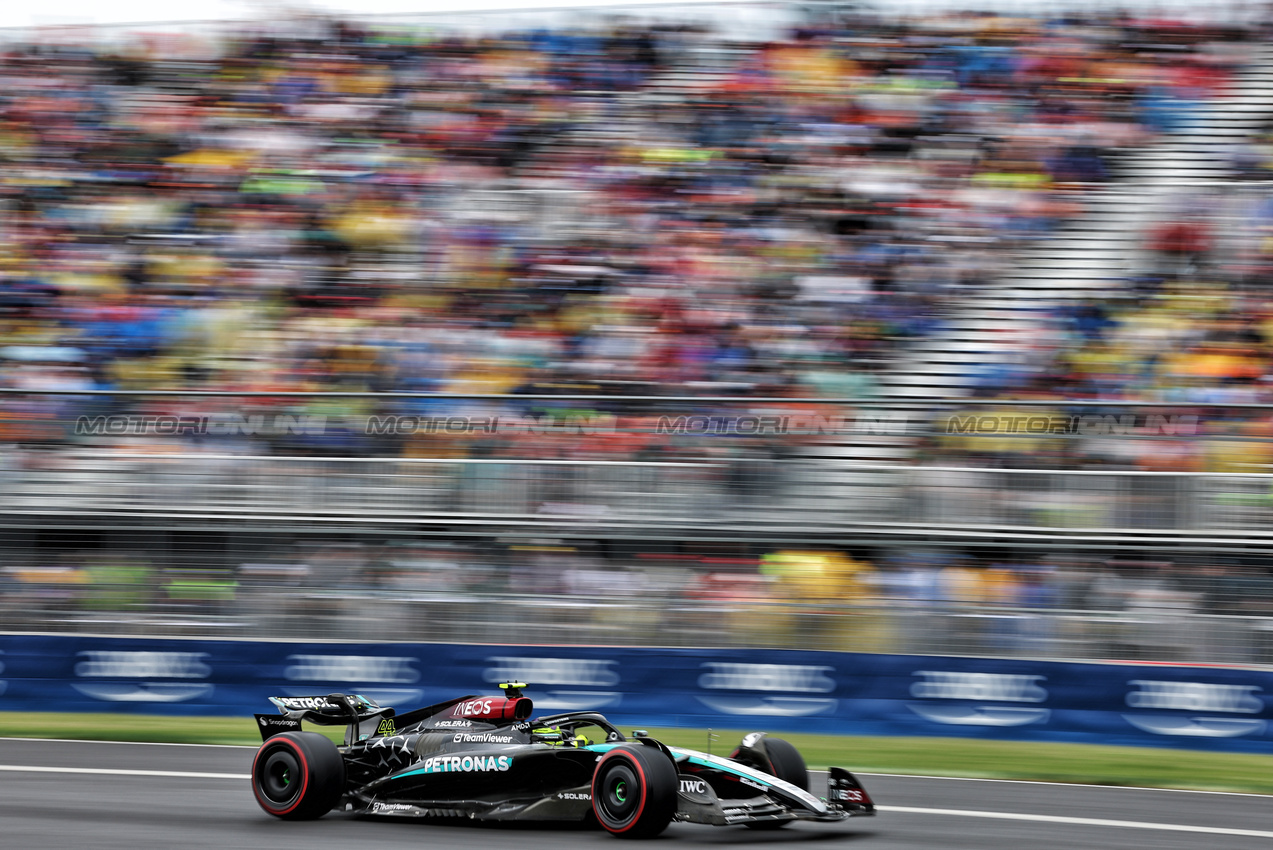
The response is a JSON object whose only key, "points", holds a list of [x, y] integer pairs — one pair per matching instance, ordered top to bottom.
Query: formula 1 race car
{"points": [[485, 758]]}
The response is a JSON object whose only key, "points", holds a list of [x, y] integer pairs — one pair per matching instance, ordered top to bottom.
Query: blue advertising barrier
{"points": [[774, 690]]}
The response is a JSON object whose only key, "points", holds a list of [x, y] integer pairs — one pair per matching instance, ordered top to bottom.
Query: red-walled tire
{"points": [[786, 763], [298, 775], [634, 791]]}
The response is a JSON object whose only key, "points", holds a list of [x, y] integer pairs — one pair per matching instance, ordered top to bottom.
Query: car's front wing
{"points": [[697, 802]]}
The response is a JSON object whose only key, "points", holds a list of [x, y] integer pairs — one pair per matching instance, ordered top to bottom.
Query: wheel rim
{"points": [[280, 777], [618, 800]]}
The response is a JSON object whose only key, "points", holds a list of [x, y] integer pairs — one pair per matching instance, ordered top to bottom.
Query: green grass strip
{"points": [[1080, 763]]}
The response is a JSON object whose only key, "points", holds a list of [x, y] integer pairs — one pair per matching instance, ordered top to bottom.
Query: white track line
{"points": [[127, 743], [105, 771], [821, 772], [1057, 784], [903, 809], [1101, 822], [1120, 824], [1123, 824]]}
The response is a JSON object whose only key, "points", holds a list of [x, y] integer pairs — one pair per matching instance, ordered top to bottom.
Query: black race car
{"points": [[486, 758]]}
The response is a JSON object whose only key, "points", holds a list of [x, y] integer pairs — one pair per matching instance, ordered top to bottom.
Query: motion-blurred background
{"points": [[888, 327]]}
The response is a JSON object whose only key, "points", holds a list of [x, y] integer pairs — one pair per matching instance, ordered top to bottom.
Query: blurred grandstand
{"points": [[774, 325]]}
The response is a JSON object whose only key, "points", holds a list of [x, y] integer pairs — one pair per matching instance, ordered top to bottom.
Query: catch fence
{"points": [[617, 525]]}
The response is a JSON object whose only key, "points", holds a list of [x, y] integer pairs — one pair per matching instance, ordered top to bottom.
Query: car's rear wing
{"points": [[363, 717]]}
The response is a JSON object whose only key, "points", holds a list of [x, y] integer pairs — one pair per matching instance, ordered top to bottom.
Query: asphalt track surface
{"points": [[72, 794]]}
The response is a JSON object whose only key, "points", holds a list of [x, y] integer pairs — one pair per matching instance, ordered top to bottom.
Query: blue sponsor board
{"points": [[776, 690]]}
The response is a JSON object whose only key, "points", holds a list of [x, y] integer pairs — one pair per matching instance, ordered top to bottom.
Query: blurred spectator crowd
{"points": [[650, 210], [1188, 343]]}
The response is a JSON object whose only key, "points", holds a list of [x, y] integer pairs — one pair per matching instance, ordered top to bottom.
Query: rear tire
{"points": [[298, 775], [634, 791]]}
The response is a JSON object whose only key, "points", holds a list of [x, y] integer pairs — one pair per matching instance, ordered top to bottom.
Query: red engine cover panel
{"points": [[494, 708]]}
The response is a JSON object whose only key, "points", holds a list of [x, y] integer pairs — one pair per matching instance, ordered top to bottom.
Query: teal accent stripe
{"points": [[599, 748], [717, 766]]}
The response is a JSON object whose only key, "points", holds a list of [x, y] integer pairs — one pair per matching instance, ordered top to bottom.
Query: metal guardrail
{"points": [[365, 489], [818, 494]]}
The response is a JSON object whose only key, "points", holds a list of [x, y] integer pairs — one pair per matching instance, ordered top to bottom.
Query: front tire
{"points": [[786, 763], [298, 776], [634, 791]]}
